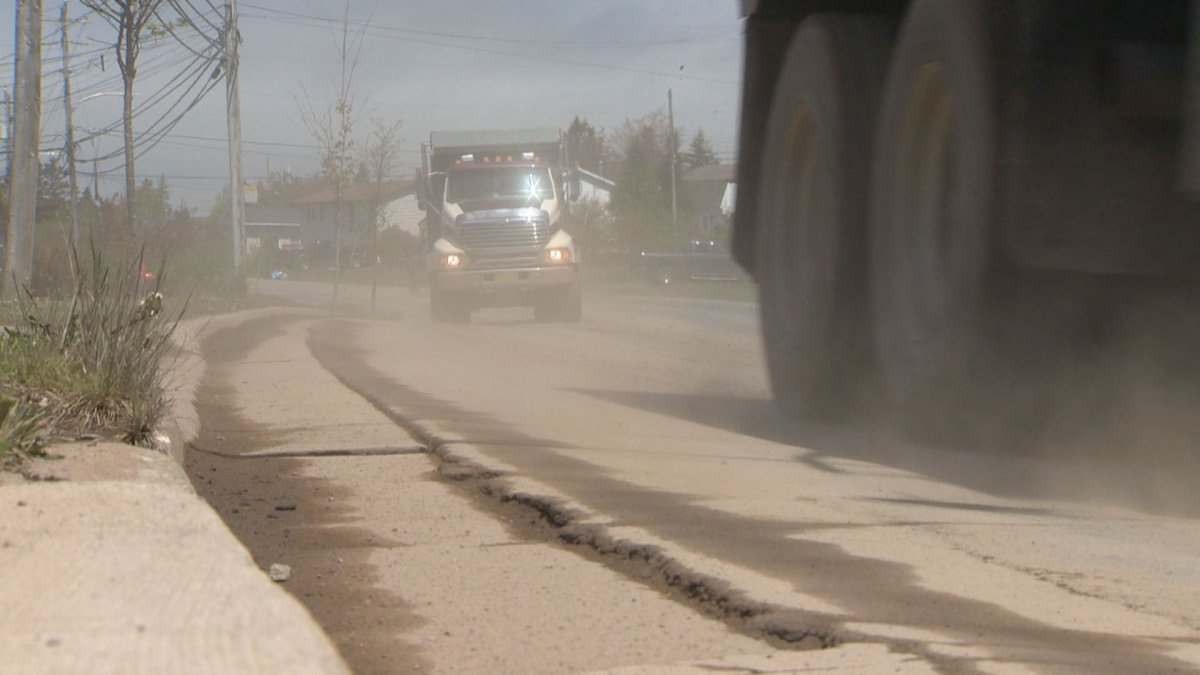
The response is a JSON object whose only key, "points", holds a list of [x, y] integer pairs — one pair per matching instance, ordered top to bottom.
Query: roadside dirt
{"points": [[280, 515]]}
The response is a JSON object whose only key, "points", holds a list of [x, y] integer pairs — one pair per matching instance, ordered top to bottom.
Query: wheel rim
{"points": [[926, 203], [805, 217]]}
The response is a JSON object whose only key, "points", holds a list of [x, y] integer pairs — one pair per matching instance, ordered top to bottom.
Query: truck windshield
{"points": [[499, 183]]}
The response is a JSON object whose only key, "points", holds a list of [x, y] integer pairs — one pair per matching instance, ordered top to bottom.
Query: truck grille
{"points": [[504, 241]]}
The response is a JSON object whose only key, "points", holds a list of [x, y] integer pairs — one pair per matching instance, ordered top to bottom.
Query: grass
{"points": [[90, 363], [20, 429]]}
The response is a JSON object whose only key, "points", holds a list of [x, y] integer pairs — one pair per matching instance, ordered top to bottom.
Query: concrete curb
{"points": [[112, 564]]}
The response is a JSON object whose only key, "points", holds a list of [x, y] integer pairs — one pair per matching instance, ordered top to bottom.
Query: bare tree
{"points": [[130, 18], [332, 127], [378, 156]]}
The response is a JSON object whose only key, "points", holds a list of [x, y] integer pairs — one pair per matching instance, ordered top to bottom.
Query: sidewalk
{"points": [[110, 563]]}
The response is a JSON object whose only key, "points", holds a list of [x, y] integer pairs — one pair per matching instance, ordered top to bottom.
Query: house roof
{"points": [[721, 172], [595, 179], [361, 192], [257, 214]]}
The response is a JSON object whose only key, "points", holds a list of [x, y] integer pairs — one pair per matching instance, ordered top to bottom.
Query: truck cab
{"points": [[497, 238]]}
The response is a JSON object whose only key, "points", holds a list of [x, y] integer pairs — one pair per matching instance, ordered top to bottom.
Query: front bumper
{"points": [[503, 282]]}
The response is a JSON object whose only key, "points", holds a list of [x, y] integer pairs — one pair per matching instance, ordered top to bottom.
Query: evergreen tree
{"points": [[585, 145], [700, 151], [54, 192]]}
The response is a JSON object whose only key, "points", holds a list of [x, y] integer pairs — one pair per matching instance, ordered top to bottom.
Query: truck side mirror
{"points": [[430, 189], [436, 190], [421, 191]]}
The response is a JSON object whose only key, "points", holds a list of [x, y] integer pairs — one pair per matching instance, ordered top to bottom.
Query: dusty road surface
{"points": [[508, 496]]}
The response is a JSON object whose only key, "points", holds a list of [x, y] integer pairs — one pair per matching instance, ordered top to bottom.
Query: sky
{"points": [[431, 64]]}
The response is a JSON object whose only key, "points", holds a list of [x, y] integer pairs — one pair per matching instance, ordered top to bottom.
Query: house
{"points": [[591, 186], [712, 192], [358, 207], [402, 214], [265, 224]]}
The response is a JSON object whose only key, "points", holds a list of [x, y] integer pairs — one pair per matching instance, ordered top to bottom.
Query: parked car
{"points": [[703, 260]]}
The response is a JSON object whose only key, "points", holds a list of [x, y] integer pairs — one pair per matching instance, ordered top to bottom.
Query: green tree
{"points": [[585, 145], [700, 152], [53, 192], [641, 200], [153, 204], [591, 225]]}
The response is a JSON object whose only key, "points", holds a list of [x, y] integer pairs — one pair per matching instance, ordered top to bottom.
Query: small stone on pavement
{"points": [[279, 572]]}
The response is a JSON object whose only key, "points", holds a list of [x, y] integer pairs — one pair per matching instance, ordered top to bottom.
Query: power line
{"points": [[370, 30], [487, 38]]}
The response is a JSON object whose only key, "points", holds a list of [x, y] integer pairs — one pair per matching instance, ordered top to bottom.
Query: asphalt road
{"points": [[643, 440]]}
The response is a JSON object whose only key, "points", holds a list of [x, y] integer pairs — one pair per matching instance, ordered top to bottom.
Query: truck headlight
{"points": [[558, 256], [452, 261]]}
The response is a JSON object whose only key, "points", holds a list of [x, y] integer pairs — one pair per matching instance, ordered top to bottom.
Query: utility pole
{"points": [[8, 118], [234, 121], [671, 140], [23, 163], [74, 185]]}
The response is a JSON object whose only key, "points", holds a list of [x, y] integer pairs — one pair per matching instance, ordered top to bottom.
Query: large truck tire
{"points": [[812, 214], [932, 214], [560, 305], [447, 307]]}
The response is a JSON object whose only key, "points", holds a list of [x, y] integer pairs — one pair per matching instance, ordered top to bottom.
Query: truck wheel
{"points": [[932, 207], [812, 210], [560, 304], [448, 308]]}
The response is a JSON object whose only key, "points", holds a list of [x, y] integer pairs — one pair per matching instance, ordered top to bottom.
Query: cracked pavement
{"points": [[561, 453]]}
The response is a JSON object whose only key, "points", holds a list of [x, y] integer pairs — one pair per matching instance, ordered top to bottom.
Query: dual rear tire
{"points": [[812, 208], [876, 209]]}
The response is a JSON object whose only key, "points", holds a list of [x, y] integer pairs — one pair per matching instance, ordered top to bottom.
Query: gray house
{"points": [[712, 191], [359, 200], [276, 226]]}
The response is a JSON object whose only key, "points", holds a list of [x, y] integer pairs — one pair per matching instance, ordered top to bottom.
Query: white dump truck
{"points": [[495, 208]]}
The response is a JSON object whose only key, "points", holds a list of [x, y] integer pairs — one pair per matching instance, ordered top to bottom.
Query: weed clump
{"points": [[93, 363]]}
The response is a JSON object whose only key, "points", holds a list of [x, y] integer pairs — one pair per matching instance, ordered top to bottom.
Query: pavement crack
{"points": [[548, 520]]}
